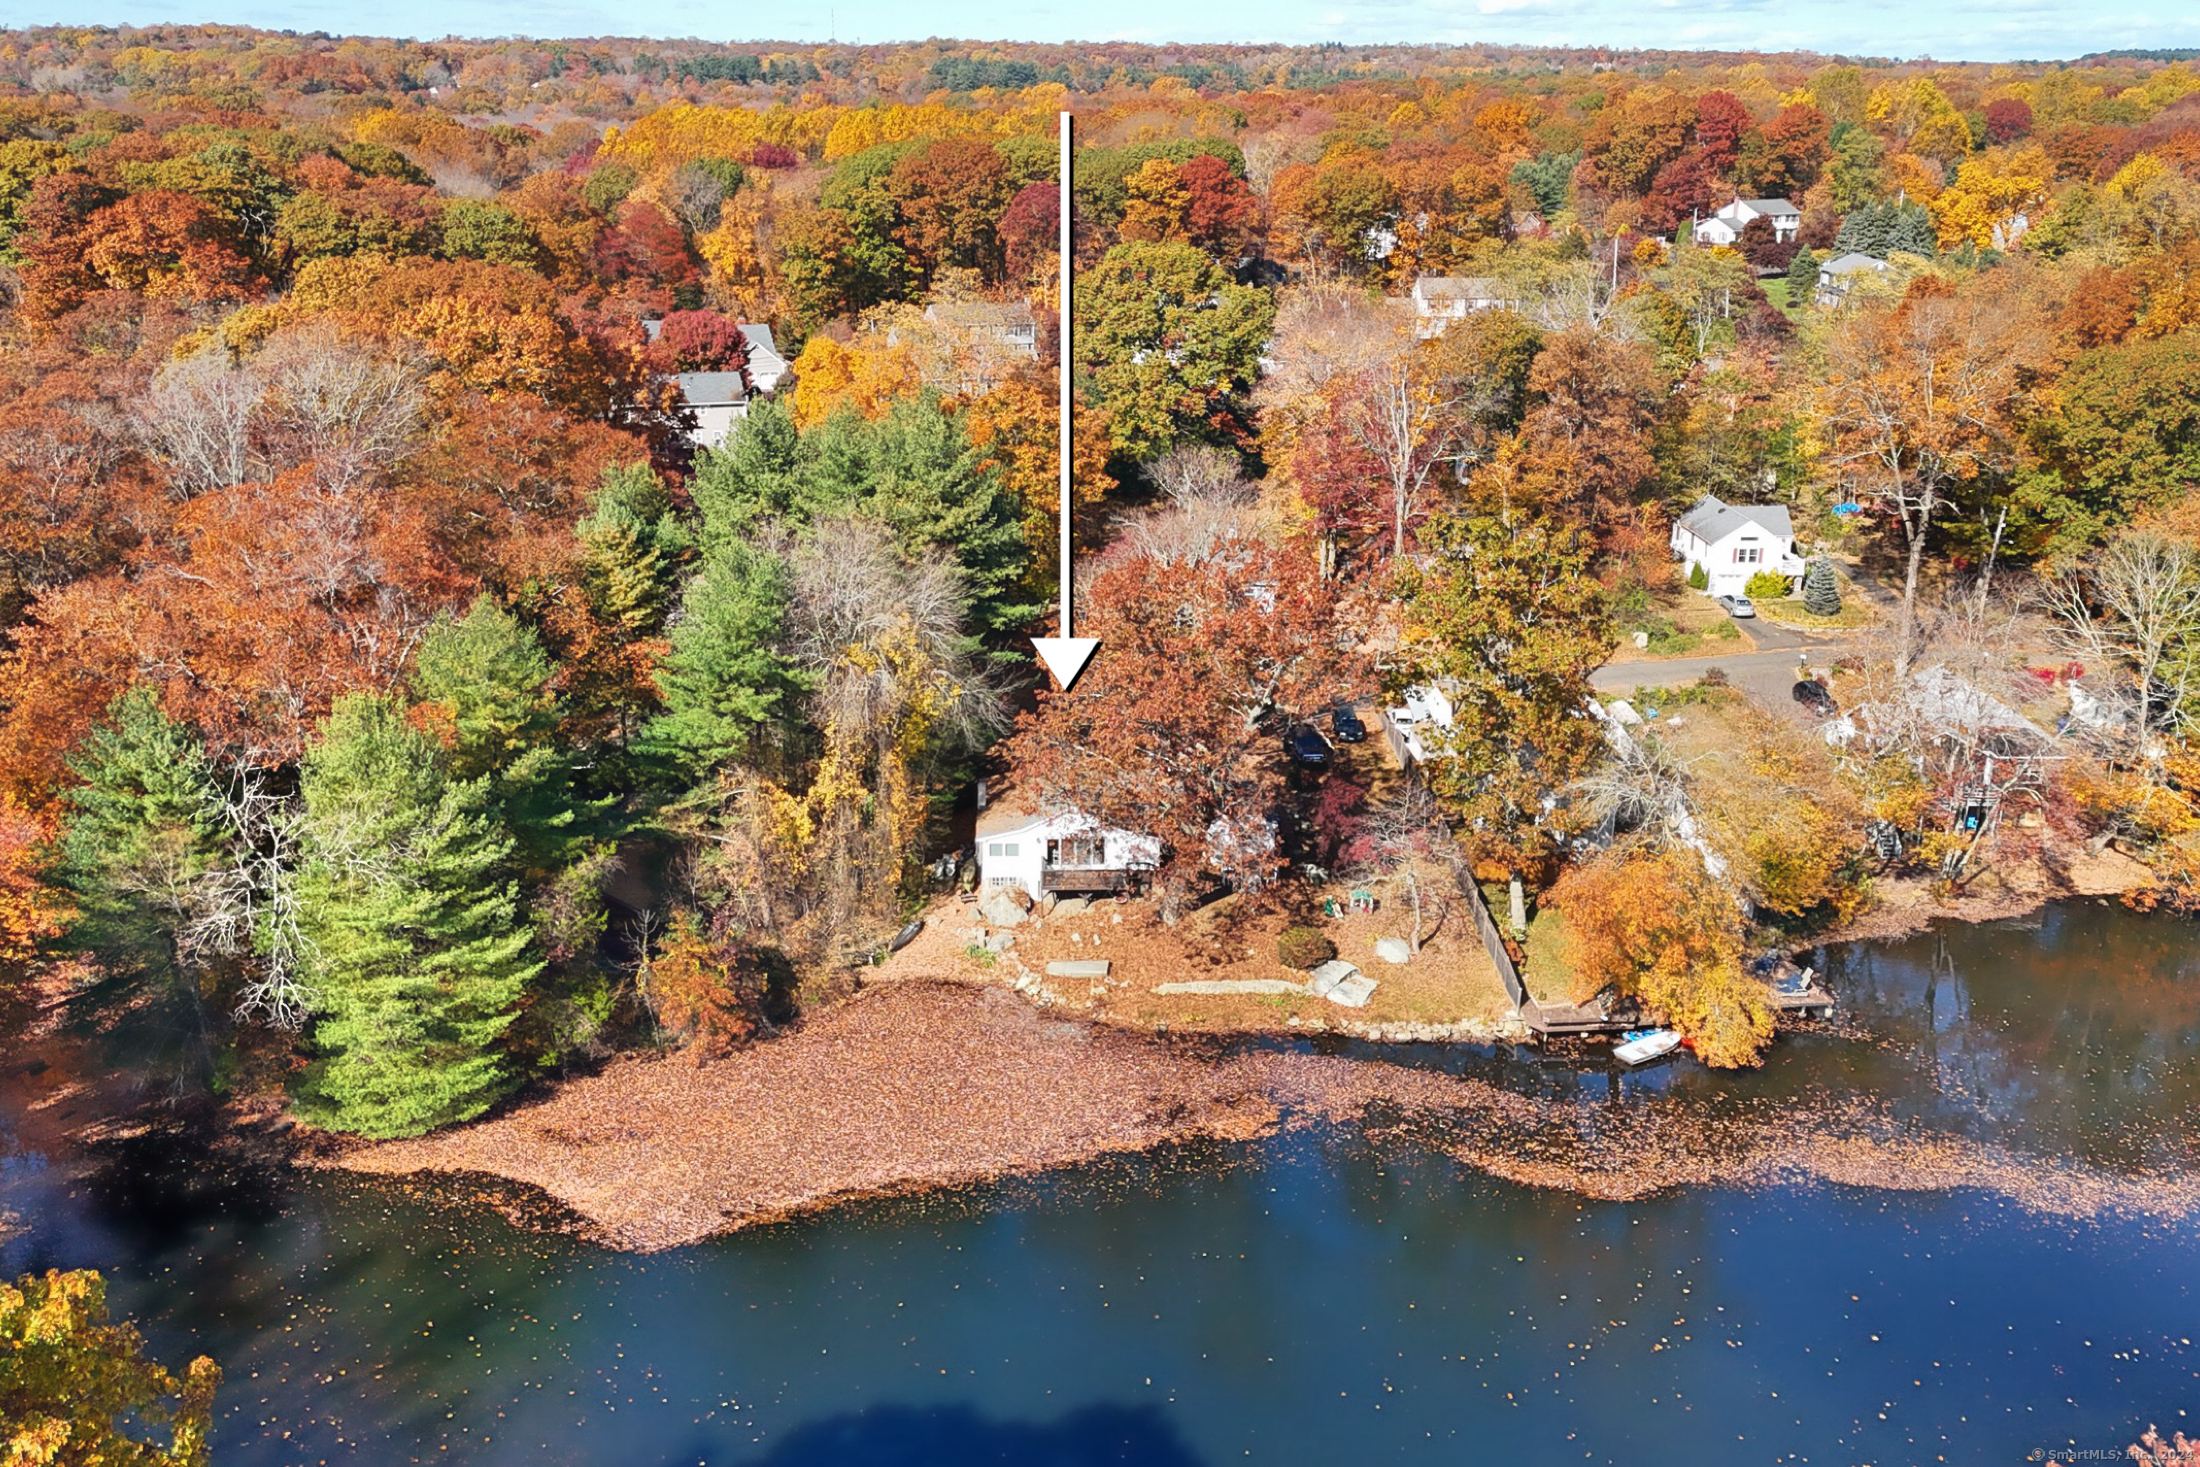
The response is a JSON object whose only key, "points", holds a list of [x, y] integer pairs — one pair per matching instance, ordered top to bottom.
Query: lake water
{"points": [[1314, 1299]]}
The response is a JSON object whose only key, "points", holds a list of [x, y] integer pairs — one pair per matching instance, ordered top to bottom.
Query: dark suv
{"points": [[1812, 694], [1346, 725], [1306, 747]]}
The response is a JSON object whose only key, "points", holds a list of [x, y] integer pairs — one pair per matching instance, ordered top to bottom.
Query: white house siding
{"points": [[714, 423], [1733, 542], [1018, 857]]}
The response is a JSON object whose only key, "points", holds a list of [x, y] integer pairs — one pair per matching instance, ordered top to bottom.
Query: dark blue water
{"points": [[1311, 1300]]}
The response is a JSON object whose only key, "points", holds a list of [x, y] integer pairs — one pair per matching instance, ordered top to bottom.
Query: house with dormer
{"points": [[1733, 542]]}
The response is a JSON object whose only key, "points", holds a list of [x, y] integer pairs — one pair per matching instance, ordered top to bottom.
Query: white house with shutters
{"points": [[1726, 226], [1733, 542], [1061, 851]]}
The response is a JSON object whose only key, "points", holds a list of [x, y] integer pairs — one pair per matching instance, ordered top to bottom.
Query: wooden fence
{"points": [[1493, 942]]}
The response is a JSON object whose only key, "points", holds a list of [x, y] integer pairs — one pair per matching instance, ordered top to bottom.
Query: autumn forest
{"points": [[404, 692]]}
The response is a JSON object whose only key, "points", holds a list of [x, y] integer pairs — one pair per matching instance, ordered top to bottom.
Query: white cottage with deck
{"points": [[1733, 542], [1062, 851]]}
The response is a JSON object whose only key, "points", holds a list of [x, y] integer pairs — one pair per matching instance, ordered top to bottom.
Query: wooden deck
{"points": [[1084, 878], [1814, 1002]]}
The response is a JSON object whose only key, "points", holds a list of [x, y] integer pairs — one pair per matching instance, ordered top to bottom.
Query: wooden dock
{"points": [[1584, 1020]]}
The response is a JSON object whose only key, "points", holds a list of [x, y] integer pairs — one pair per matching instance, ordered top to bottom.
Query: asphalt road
{"points": [[1767, 676]]}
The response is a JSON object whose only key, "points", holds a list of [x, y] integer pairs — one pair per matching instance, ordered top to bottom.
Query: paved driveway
{"points": [[1768, 676]]}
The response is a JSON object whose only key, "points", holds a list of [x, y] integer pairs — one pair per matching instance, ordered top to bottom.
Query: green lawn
{"points": [[1790, 612], [1548, 974]]}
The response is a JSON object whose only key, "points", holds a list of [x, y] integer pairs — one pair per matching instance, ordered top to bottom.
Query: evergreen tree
{"points": [[1865, 231], [1910, 231], [1802, 276], [917, 472], [754, 478], [633, 544], [1821, 593], [725, 678], [484, 681], [142, 835], [418, 955]]}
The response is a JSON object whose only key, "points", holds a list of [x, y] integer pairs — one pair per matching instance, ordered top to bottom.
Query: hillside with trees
{"points": [[399, 700]]}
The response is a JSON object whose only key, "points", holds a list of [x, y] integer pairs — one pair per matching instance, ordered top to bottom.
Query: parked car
{"points": [[1737, 607], [1813, 695], [1346, 725], [1306, 746]]}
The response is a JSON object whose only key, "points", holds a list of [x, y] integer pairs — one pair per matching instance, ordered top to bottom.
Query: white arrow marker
{"points": [[1066, 655]]}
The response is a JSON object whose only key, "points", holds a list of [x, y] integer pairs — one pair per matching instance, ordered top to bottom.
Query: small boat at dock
{"points": [[1641, 1046]]}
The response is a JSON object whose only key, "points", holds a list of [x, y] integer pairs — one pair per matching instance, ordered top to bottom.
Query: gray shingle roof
{"points": [[1772, 206], [1850, 263], [761, 345], [707, 389], [1713, 519]]}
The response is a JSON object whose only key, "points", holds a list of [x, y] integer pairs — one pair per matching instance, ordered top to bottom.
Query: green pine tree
{"points": [[1910, 231], [1802, 276], [917, 471], [755, 477], [633, 545], [1699, 579], [1821, 593], [725, 679], [486, 680], [141, 836], [418, 956]]}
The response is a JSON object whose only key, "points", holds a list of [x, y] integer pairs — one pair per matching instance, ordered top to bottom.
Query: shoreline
{"points": [[1905, 906], [969, 1084]]}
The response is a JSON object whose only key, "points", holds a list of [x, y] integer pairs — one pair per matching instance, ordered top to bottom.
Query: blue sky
{"points": [[1969, 30]]}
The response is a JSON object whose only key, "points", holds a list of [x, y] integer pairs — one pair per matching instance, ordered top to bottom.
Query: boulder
{"points": [[1642, 639], [1623, 711], [1005, 906], [1072, 906], [1000, 942], [1393, 950], [1078, 970], [1341, 983]]}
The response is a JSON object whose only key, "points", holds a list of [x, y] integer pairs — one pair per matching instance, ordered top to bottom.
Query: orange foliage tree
{"points": [[1015, 426], [1653, 926], [707, 995]]}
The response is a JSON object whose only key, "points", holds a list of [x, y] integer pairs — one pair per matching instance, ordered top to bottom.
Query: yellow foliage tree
{"points": [[1918, 115], [1991, 189], [1157, 205], [742, 283], [868, 377], [1016, 426], [30, 912], [76, 1391]]}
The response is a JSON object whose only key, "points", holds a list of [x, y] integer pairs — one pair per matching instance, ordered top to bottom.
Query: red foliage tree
{"points": [[2007, 120], [1721, 123], [1786, 155], [1681, 191], [951, 195], [1223, 212], [1029, 230], [645, 245], [701, 341], [1173, 729]]}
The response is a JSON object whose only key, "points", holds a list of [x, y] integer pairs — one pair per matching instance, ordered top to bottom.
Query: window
{"points": [[1748, 554], [1000, 848], [1009, 849]]}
